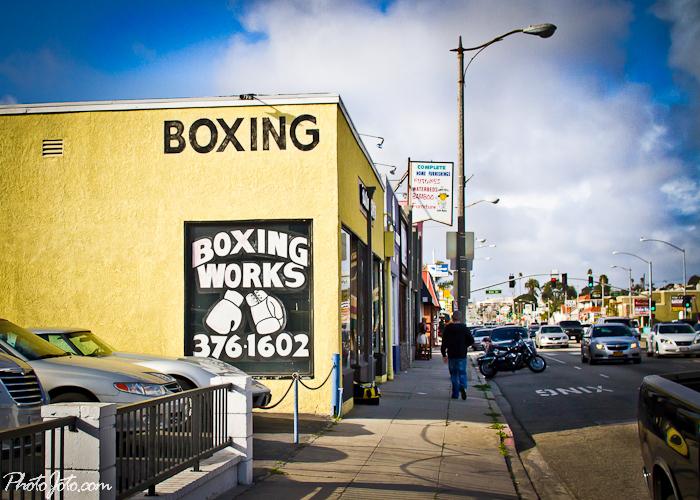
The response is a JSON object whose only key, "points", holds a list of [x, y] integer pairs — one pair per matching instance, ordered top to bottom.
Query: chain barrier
{"points": [[297, 378]]}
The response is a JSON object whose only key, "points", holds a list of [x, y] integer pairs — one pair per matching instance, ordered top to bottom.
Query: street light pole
{"points": [[541, 30], [629, 270], [685, 279], [651, 281]]}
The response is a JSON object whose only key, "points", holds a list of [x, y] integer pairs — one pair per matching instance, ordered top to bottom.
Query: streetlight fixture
{"points": [[541, 30], [493, 202], [492, 245], [648, 262], [629, 270], [685, 279]]}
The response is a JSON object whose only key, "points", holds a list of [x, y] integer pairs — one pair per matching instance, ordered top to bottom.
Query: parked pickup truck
{"points": [[669, 434]]}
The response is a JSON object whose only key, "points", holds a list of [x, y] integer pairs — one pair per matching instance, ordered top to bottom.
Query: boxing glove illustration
{"points": [[268, 313], [226, 315]]}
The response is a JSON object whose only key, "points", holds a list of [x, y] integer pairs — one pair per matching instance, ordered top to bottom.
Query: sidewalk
{"points": [[418, 443]]}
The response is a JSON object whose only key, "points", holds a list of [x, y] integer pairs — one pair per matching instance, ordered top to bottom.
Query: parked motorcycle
{"points": [[514, 358]]}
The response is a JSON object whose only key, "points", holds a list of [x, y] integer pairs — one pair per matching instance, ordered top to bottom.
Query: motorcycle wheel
{"points": [[537, 364], [487, 370]]}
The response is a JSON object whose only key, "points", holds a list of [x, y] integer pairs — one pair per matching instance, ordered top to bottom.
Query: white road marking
{"points": [[554, 359], [577, 367], [604, 376], [568, 391]]}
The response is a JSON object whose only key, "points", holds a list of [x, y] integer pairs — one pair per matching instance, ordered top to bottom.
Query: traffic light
{"points": [[553, 279], [564, 280], [511, 281], [590, 281], [687, 301], [653, 306]]}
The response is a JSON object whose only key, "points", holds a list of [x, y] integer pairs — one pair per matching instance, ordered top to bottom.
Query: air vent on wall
{"points": [[52, 147]]}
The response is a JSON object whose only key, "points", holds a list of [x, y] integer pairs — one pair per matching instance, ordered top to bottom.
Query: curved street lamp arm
{"points": [[497, 39], [662, 241], [631, 255]]}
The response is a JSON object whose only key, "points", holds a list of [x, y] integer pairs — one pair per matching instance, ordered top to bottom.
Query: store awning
{"points": [[429, 289]]}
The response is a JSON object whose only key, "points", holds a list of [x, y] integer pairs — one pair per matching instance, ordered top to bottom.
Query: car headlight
{"points": [[697, 340], [665, 341], [633, 345], [600, 346], [163, 376], [141, 389]]}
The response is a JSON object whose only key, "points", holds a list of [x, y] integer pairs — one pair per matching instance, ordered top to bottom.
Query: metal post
{"points": [[461, 236], [651, 281], [685, 282], [631, 311], [369, 313], [335, 396], [296, 409]]}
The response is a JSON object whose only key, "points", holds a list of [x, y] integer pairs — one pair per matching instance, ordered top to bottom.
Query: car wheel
{"points": [[584, 359], [637, 361], [593, 362], [72, 397]]}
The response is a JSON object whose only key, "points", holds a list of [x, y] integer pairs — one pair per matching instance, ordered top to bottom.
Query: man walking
{"points": [[456, 339]]}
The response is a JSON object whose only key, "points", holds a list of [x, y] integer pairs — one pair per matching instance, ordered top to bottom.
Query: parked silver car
{"points": [[610, 342], [190, 371], [77, 378], [21, 394]]}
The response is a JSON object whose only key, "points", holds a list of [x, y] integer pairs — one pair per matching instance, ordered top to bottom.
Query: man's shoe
{"points": [[463, 391]]}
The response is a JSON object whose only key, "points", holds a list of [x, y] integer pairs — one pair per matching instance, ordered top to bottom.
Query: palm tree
{"points": [[531, 286]]}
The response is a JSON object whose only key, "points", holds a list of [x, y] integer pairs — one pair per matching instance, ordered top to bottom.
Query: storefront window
{"points": [[347, 310]]}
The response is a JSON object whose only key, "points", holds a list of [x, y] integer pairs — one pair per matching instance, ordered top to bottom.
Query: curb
{"points": [[532, 476], [521, 480]]}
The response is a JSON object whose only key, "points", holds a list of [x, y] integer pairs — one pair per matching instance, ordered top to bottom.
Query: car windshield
{"points": [[623, 321], [569, 324], [678, 328], [552, 329], [611, 331], [481, 332], [507, 334], [26, 343], [83, 343]]}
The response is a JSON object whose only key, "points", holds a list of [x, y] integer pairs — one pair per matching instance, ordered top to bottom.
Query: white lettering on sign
{"points": [[561, 391]]}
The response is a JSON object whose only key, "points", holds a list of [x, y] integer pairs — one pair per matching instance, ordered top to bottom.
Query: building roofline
{"points": [[242, 100]]}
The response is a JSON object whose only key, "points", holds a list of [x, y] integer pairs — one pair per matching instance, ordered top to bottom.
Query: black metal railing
{"points": [[160, 437], [24, 458]]}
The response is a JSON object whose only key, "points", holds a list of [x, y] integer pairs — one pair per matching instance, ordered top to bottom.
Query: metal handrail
{"points": [[169, 397], [47, 425], [163, 436]]}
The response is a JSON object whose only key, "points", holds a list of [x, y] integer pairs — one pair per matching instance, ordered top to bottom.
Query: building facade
{"points": [[250, 230]]}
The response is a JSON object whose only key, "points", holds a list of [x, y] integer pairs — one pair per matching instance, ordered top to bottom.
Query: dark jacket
{"points": [[456, 339]]}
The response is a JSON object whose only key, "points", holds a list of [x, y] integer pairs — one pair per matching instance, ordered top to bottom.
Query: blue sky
{"points": [[619, 104]]}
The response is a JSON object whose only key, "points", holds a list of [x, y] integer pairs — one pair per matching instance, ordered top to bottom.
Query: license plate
{"points": [[683, 348], [617, 354]]}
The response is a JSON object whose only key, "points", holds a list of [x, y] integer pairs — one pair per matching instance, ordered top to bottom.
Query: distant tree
{"points": [[694, 280], [532, 286], [526, 298]]}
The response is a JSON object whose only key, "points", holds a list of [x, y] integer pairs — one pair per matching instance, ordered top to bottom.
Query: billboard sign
{"points": [[431, 191], [439, 270], [248, 295], [677, 303], [641, 307]]}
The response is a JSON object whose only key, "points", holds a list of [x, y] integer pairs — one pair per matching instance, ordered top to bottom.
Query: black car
{"points": [[573, 329]]}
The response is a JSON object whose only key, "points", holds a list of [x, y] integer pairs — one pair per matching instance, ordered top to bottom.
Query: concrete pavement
{"points": [[418, 443]]}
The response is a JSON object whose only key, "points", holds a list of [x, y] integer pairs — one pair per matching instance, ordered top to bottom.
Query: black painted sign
{"points": [[248, 293]]}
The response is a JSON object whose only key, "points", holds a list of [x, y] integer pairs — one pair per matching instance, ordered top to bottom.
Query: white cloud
{"points": [[685, 33], [577, 161], [683, 195]]}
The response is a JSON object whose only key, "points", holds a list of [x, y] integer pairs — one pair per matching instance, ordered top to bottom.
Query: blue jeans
{"points": [[458, 374]]}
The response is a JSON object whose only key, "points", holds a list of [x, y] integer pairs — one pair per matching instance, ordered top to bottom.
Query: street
{"points": [[583, 419]]}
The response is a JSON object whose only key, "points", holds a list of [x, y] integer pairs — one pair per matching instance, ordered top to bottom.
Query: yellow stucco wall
{"points": [[95, 238]]}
